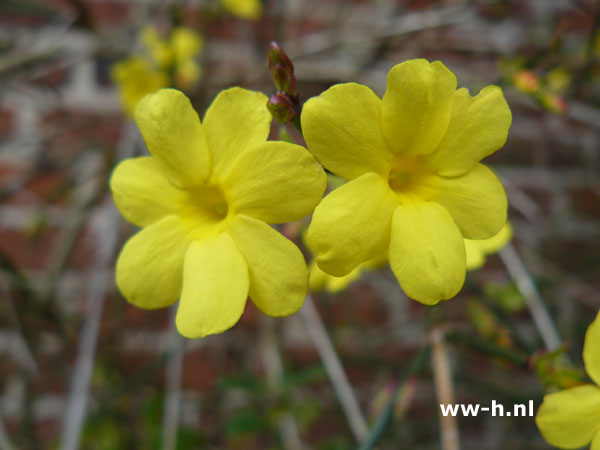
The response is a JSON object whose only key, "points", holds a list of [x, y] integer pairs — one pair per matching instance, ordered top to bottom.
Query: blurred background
{"points": [[80, 368]]}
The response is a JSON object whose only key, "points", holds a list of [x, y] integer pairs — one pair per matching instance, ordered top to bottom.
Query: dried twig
{"points": [[100, 280], [533, 299], [175, 350], [271, 356], [334, 368], [444, 389], [5, 443]]}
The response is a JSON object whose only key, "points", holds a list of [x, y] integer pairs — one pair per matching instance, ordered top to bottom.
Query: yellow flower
{"points": [[246, 9], [157, 47], [175, 54], [140, 75], [136, 77], [416, 185], [204, 199], [476, 250], [320, 280], [571, 418]]}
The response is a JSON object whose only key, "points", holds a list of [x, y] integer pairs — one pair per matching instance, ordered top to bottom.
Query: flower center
{"points": [[403, 172], [203, 207]]}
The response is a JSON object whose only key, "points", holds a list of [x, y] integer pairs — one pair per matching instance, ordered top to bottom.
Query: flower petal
{"points": [[246, 9], [416, 106], [236, 120], [478, 127], [342, 129], [174, 136], [274, 182], [141, 191], [476, 200], [352, 224], [498, 241], [477, 249], [427, 253], [474, 254], [150, 265], [276, 267], [215, 287], [591, 350], [570, 418], [596, 442]]}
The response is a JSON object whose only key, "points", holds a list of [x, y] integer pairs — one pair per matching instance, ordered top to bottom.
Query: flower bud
{"points": [[278, 56], [282, 71], [282, 78], [526, 81], [281, 108]]}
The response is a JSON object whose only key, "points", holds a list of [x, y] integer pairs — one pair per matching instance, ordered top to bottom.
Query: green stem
{"points": [[296, 122]]}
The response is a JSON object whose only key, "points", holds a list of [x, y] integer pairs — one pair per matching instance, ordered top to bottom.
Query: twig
{"points": [[100, 280], [533, 299], [175, 347], [23, 354], [271, 356], [334, 369], [444, 389], [5, 443]]}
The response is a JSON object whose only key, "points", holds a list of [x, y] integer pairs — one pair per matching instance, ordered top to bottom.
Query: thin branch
{"points": [[100, 280], [533, 299], [176, 350], [271, 357], [334, 368], [444, 388], [5, 443]]}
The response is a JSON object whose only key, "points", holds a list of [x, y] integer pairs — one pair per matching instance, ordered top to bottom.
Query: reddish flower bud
{"points": [[278, 56], [281, 108]]}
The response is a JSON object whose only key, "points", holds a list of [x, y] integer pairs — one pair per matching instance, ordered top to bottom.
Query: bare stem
{"points": [[104, 228], [533, 299], [175, 350], [271, 356], [334, 369], [444, 389]]}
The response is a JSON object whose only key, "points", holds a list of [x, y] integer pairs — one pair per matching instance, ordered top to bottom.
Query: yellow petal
{"points": [[246, 9], [186, 44], [156, 46], [136, 77], [417, 106], [236, 120], [478, 127], [342, 129], [174, 136], [274, 182], [141, 191], [476, 200], [352, 224], [498, 241], [477, 249], [427, 253], [474, 254], [150, 265], [276, 267], [317, 278], [320, 280], [338, 284], [215, 287], [591, 350], [571, 418], [596, 442]]}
